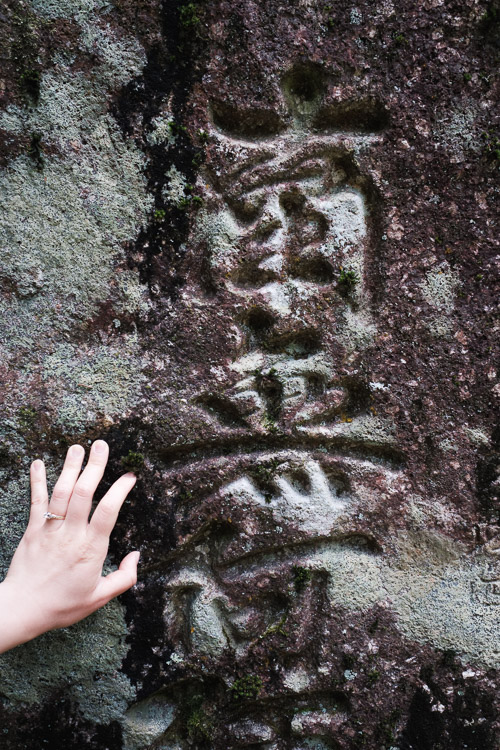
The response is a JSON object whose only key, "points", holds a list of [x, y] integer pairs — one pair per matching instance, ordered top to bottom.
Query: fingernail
{"points": [[100, 446], [75, 450], [37, 466], [137, 556]]}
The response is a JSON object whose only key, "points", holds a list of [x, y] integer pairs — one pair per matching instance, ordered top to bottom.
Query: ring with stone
{"points": [[52, 516]]}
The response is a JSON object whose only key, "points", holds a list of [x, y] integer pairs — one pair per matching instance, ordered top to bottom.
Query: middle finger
{"points": [[66, 482], [81, 498]]}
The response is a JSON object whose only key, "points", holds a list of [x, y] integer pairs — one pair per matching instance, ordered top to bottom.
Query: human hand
{"points": [[55, 577]]}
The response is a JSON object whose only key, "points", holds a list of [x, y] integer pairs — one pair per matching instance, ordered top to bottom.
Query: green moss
{"points": [[492, 14], [188, 16], [490, 20], [330, 21], [400, 39], [467, 77], [484, 78], [176, 128], [491, 146], [189, 200], [183, 202], [159, 214], [347, 281], [27, 417], [271, 426], [133, 461], [263, 475], [185, 494], [301, 577], [277, 627], [373, 676], [246, 688], [195, 715], [199, 726], [385, 730]]}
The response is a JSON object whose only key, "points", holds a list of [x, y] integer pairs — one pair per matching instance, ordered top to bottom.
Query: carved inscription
{"points": [[296, 274], [263, 543]]}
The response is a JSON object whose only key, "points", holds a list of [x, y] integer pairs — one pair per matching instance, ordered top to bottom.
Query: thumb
{"points": [[120, 580]]}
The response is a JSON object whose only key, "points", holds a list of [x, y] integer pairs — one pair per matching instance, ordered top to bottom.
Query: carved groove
{"points": [[361, 116], [252, 123], [225, 411]]}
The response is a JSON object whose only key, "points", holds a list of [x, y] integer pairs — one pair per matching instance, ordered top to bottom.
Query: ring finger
{"points": [[65, 484]]}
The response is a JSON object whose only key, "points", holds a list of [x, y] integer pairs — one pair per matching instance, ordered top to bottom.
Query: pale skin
{"points": [[55, 578]]}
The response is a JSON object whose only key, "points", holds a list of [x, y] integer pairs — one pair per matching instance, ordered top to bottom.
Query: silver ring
{"points": [[52, 516]]}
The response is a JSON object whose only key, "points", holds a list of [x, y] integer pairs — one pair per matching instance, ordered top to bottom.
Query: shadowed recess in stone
{"points": [[305, 81], [364, 116], [252, 123], [223, 409]]}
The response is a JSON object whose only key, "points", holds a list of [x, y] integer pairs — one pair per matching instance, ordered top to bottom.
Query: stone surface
{"points": [[256, 244]]}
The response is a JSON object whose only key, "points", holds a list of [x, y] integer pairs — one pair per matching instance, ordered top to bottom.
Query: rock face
{"points": [[252, 245]]}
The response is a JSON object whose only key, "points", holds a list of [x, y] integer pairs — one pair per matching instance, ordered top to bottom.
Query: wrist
{"points": [[19, 616]]}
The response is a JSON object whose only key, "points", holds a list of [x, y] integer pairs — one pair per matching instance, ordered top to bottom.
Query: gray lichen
{"points": [[84, 660]]}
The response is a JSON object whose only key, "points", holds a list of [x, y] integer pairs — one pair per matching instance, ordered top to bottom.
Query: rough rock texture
{"points": [[253, 246]]}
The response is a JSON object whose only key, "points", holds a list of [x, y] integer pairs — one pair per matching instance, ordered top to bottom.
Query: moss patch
{"points": [[246, 688]]}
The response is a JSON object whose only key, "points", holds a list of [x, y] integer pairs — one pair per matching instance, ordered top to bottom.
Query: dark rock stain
{"points": [[174, 65]]}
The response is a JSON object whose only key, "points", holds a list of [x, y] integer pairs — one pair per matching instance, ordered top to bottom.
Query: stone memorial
{"points": [[254, 246]]}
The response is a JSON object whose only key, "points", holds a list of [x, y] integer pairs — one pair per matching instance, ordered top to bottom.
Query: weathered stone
{"points": [[253, 245]]}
